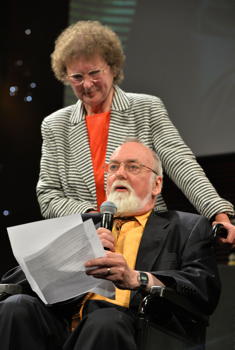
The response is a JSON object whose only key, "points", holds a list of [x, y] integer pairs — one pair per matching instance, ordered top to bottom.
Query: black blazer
{"points": [[178, 249]]}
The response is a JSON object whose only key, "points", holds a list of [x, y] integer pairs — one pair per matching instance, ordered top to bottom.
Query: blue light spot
{"points": [[33, 85], [13, 90], [28, 98], [6, 212]]}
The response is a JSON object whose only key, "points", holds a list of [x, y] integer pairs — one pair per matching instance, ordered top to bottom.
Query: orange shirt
{"points": [[98, 127]]}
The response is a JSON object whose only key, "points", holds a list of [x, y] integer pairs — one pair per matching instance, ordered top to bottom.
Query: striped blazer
{"points": [[66, 183]]}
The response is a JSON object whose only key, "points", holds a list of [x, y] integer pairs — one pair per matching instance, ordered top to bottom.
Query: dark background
{"points": [[25, 59]]}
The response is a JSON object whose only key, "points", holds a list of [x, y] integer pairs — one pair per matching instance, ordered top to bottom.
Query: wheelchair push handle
{"points": [[219, 231]]}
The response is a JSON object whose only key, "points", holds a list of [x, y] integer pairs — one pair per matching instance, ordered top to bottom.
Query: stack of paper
{"points": [[52, 254]]}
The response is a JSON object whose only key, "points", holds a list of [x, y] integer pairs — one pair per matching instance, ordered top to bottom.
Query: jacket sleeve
{"points": [[180, 164], [53, 200]]}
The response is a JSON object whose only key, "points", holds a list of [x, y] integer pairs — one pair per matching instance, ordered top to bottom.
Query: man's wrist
{"points": [[138, 280], [143, 280], [152, 281]]}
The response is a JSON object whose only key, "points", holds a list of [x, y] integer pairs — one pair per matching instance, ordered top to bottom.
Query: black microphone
{"points": [[107, 209]]}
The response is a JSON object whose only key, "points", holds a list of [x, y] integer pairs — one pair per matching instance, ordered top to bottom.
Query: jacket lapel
{"points": [[119, 121], [80, 148], [153, 239]]}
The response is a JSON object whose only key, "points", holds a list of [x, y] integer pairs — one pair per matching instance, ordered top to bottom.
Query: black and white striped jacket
{"points": [[66, 182]]}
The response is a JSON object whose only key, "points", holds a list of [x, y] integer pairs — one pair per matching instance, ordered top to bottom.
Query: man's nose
{"points": [[121, 172]]}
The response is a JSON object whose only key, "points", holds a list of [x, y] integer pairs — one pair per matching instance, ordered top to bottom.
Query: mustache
{"points": [[121, 183]]}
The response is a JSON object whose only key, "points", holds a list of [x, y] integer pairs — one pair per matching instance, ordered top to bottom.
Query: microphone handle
{"points": [[107, 221]]}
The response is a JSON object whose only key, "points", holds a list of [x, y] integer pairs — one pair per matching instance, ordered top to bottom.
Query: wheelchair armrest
{"points": [[175, 299], [169, 320]]}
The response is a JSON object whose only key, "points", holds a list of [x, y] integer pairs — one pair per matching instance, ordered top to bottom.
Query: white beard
{"points": [[126, 202]]}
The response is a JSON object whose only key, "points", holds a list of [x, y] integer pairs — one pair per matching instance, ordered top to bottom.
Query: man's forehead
{"points": [[131, 151], [127, 160]]}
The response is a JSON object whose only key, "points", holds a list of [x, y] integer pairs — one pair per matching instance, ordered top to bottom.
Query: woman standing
{"points": [[78, 139]]}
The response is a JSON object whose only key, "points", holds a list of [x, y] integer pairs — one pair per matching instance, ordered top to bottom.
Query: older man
{"points": [[170, 248]]}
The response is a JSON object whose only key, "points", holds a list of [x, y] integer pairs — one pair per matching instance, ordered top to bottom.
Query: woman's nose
{"points": [[87, 82]]}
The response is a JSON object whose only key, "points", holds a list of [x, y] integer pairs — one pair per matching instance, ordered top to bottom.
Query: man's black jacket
{"points": [[178, 249]]}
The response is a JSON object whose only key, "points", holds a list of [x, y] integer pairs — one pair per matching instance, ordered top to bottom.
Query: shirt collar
{"points": [[142, 219]]}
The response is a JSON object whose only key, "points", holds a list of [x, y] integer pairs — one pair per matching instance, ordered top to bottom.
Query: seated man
{"points": [[170, 248]]}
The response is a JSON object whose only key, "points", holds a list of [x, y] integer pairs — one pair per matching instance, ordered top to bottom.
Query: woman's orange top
{"points": [[98, 127]]}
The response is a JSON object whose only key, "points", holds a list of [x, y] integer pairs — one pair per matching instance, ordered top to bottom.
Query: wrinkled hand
{"points": [[231, 232], [106, 238], [113, 267]]}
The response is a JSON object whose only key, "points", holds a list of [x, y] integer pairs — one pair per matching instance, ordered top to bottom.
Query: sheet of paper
{"points": [[52, 254]]}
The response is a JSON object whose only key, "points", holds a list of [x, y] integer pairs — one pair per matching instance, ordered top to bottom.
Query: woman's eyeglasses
{"points": [[93, 75]]}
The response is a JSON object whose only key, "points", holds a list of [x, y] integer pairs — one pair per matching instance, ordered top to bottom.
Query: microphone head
{"points": [[108, 207]]}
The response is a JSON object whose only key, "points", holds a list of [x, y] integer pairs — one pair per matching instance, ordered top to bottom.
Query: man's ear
{"points": [[157, 185]]}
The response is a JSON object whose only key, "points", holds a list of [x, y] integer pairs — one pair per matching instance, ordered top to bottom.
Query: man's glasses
{"points": [[78, 78], [132, 167]]}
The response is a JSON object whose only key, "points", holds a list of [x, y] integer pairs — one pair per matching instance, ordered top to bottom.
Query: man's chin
{"points": [[119, 195], [126, 204]]}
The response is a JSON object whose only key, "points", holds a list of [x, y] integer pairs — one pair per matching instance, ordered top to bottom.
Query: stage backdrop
{"points": [[182, 51]]}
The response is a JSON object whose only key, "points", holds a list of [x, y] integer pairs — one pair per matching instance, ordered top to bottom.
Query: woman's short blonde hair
{"points": [[87, 38]]}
